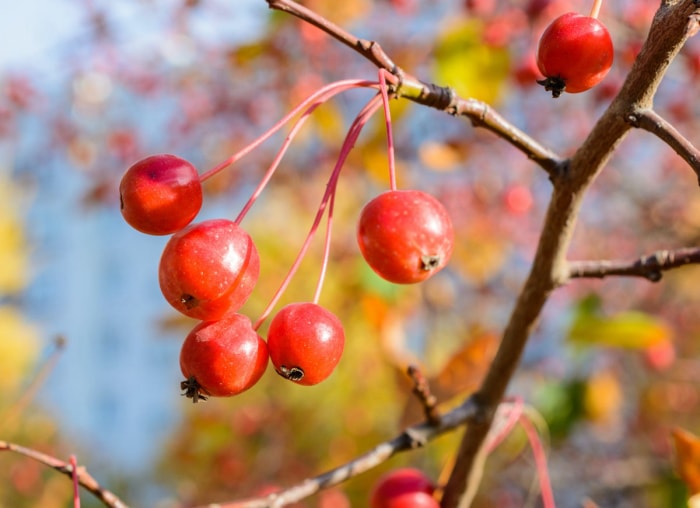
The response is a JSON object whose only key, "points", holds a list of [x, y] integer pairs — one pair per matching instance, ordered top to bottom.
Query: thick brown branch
{"points": [[673, 23], [669, 31], [427, 94], [483, 115], [651, 121], [649, 267], [413, 437], [84, 478]]}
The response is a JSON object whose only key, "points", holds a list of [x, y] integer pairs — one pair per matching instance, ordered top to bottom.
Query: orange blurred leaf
{"points": [[464, 371], [461, 374], [687, 447]]}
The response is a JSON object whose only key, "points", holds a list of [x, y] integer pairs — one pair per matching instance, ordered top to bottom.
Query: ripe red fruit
{"points": [[574, 54], [160, 194], [406, 236], [208, 269], [305, 342], [222, 358], [403, 488]]}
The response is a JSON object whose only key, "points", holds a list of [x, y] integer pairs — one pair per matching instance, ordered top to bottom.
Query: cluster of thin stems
{"points": [[298, 116]]}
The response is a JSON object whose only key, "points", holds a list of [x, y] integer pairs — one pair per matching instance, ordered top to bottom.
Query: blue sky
{"points": [[34, 31]]}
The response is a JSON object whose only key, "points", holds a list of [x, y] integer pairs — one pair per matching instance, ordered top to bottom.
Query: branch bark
{"points": [[673, 23], [431, 95], [651, 121], [649, 267], [413, 437]]}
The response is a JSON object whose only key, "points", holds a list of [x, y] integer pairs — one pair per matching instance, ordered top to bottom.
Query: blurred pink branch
{"points": [[15, 411], [83, 477]]}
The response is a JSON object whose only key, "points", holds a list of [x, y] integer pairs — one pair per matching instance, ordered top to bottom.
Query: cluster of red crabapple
{"points": [[208, 269]]}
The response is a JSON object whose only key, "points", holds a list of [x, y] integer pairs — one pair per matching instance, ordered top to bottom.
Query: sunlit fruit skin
{"points": [[574, 54], [160, 194], [406, 236], [209, 269], [305, 342], [222, 358], [403, 488]]}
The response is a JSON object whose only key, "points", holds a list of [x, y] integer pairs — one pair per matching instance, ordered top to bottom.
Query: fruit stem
{"points": [[595, 10], [321, 95], [389, 135], [350, 139], [276, 161], [326, 248], [505, 427], [540, 462], [76, 483]]}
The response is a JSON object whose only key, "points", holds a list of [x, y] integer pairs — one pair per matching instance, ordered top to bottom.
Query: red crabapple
{"points": [[574, 54], [160, 194], [406, 236], [209, 269], [306, 342], [222, 358], [403, 488]]}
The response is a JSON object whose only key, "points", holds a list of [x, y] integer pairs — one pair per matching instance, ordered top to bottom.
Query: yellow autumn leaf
{"points": [[341, 11], [464, 62], [440, 156], [481, 253], [14, 262], [632, 330], [19, 347], [603, 397]]}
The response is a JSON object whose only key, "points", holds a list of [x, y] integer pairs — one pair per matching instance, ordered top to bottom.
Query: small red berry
{"points": [[574, 54], [160, 194], [406, 236], [208, 269], [306, 342], [222, 358], [403, 488]]}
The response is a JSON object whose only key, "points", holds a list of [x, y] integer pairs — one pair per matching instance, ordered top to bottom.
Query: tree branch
{"points": [[673, 23], [428, 94], [651, 121], [650, 267], [421, 389], [413, 437], [85, 479]]}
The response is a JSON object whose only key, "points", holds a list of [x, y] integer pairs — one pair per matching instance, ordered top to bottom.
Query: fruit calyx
{"points": [[553, 84], [430, 262], [291, 373], [193, 390]]}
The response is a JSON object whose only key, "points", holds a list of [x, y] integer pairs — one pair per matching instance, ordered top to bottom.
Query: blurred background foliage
{"points": [[612, 368]]}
